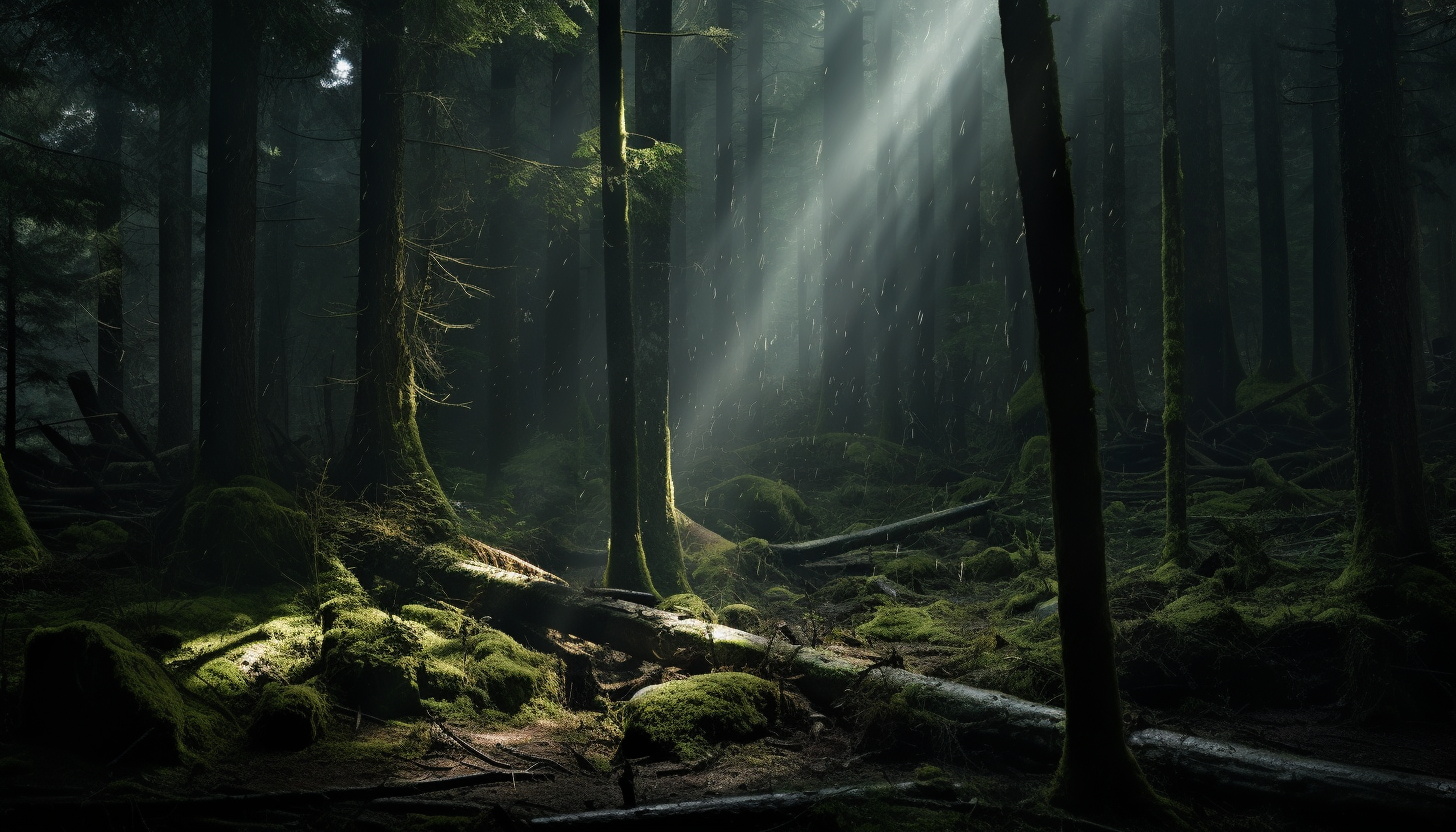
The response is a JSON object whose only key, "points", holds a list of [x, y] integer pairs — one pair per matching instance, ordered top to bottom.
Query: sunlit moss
{"points": [[686, 718]]}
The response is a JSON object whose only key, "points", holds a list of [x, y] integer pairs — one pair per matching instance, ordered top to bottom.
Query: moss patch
{"points": [[757, 507], [247, 533], [100, 538], [20, 549], [993, 564], [690, 605], [911, 624], [372, 660], [289, 718], [686, 718]]}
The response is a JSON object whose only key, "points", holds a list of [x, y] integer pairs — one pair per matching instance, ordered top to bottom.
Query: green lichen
{"points": [[757, 507], [289, 718], [686, 718]]}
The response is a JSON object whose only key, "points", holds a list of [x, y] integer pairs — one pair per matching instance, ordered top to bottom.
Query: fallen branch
{"points": [[1269, 402], [793, 553], [470, 749], [671, 815]]}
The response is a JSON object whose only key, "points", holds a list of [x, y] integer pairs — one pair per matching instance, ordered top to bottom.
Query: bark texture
{"points": [[174, 278], [1276, 361], [1122, 389], [1175, 419]]}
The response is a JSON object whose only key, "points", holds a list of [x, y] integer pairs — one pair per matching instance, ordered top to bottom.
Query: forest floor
{"points": [[1248, 646]]}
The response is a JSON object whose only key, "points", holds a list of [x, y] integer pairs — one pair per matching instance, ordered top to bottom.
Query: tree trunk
{"points": [[753, 229], [965, 235], [111, 260], [563, 260], [174, 277], [724, 286], [651, 290], [886, 299], [1329, 320], [12, 327], [804, 329], [844, 355], [1276, 362], [1214, 370], [274, 375], [1122, 389], [922, 397], [503, 416], [1175, 421], [228, 427], [384, 458], [1391, 527], [19, 546], [626, 561], [1097, 770]]}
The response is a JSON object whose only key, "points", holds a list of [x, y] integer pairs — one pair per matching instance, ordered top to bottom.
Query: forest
{"points": [[754, 414]]}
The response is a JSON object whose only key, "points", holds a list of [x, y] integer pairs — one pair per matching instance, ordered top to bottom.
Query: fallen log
{"points": [[1269, 402], [103, 431], [73, 456], [795, 553], [1016, 729], [741, 808]]}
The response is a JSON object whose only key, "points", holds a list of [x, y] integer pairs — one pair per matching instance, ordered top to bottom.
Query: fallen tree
{"points": [[796, 553], [1026, 732]]}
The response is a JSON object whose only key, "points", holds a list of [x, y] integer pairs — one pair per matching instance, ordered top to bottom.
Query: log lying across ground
{"points": [[795, 553], [1016, 729], [742, 808]]}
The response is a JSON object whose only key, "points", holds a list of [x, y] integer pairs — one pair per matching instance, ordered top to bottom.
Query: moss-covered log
{"points": [[891, 533]]}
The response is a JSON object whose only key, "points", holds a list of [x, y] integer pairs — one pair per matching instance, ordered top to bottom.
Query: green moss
{"points": [[1255, 389], [1027, 404], [1035, 453], [129, 472], [973, 488], [1281, 493], [756, 506], [1115, 510], [247, 533], [100, 538], [20, 549], [992, 564], [915, 570], [781, 595], [690, 605], [740, 617], [444, 622], [911, 624], [372, 660], [87, 685], [289, 718], [686, 718]]}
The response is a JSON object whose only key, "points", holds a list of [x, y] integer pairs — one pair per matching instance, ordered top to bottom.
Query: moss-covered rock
{"points": [[1026, 412], [1036, 453], [761, 507], [249, 533], [100, 538], [992, 564], [913, 569], [690, 605], [740, 617], [893, 623], [372, 660], [87, 685], [289, 718], [686, 718]]}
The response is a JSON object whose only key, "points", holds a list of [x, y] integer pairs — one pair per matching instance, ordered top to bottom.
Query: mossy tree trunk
{"points": [[111, 109], [174, 276], [651, 287], [277, 301], [1328, 321], [561, 323], [12, 327], [1276, 360], [1214, 368], [1122, 389], [503, 405], [1175, 421], [228, 423], [384, 459], [1391, 527], [19, 547], [626, 561], [1097, 770]]}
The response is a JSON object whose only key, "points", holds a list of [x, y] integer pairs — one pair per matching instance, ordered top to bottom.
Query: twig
{"points": [[467, 746], [532, 758]]}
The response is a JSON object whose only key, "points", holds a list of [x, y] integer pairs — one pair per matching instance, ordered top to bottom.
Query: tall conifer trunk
{"points": [[965, 234], [563, 254], [111, 260], [174, 277], [724, 289], [651, 292], [886, 298], [277, 300], [1329, 322], [12, 328], [1276, 361], [922, 401], [503, 406], [228, 421], [1175, 421], [384, 458], [626, 561], [1097, 771]]}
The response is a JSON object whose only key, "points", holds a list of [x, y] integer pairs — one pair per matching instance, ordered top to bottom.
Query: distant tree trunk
{"points": [[965, 235], [753, 247], [1445, 257], [111, 260], [563, 260], [725, 263], [887, 275], [174, 277], [651, 292], [502, 307], [1329, 320], [805, 327], [12, 328], [679, 342], [845, 353], [1276, 361], [273, 368], [1214, 369], [1122, 393], [922, 402], [1175, 421], [228, 424], [384, 455], [1391, 528], [19, 546], [626, 561], [1097, 771]]}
